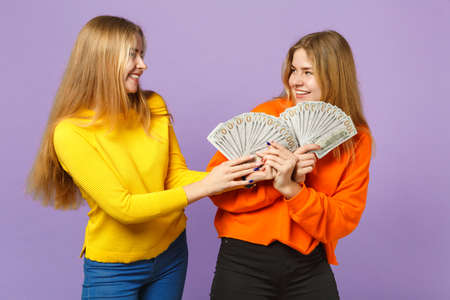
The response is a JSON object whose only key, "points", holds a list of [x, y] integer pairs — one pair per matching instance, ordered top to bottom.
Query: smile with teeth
{"points": [[136, 76], [297, 92]]}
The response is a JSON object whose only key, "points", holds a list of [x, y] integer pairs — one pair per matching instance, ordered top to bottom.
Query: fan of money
{"points": [[311, 122], [318, 122], [248, 133]]}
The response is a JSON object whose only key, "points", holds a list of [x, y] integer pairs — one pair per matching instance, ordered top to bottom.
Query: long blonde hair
{"points": [[334, 66], [93, 79]]}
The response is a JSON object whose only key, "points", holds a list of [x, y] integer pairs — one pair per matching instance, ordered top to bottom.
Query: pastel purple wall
{"points": [[212, 60]]}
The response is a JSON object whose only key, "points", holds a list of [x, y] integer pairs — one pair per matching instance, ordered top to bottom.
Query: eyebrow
{"points": [[302, 68]]}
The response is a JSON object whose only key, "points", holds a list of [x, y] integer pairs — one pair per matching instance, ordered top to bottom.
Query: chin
{"points": [[132, 90]]}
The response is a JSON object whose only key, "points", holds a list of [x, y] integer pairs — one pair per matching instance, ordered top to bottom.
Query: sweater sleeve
{"points": [[178, 174], [96, 178], [243, 200], [329, 218]]}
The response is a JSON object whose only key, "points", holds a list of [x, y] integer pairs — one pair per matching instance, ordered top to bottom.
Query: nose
{"points": [[140, 63], [297, 79]]}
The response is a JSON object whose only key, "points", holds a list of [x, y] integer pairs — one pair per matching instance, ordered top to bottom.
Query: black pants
{"points": [[255, 272]]}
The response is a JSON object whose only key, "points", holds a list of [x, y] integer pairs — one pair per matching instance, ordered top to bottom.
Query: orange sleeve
{"points": [[243, 200], [329, 218]]}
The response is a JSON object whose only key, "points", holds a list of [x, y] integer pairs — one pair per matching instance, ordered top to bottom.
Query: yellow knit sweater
{"points": [[132, 181]]}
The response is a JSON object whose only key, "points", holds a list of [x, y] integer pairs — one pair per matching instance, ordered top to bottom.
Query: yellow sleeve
{"points": [[92, 174], [178, 174]]}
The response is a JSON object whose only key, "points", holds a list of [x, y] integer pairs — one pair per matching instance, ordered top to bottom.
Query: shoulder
{"points": [[152, 96], [155, 101], [273, 107], [66, 127], [67, 133], [363, 134], [363, 140]]}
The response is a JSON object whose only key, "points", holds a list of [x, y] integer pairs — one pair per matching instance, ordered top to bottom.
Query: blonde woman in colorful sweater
{"points": [[112, 143], [279, 238]]}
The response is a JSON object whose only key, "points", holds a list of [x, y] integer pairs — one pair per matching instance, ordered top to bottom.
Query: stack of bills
{"points": [[311, 122], [317, 122], [249, 133]]}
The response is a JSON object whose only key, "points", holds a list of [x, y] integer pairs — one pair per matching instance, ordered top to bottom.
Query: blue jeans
{"points": [[161, 277]]}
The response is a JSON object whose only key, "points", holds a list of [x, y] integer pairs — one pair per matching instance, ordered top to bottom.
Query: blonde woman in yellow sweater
{"points": [[112, 143]]}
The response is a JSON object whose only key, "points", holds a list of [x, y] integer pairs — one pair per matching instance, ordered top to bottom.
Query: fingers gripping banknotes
{"points": [[312, 122]]}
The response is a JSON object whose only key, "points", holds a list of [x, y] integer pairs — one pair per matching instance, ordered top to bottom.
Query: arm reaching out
{"points": [[224, 177], [245, 200]]}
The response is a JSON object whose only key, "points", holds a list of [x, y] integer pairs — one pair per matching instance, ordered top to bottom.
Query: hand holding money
{"points": [[309, 122], [306, 161], [283, 162], [261, 173], [231, 175]]}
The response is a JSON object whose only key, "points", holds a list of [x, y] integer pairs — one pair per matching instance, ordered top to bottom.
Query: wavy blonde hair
{"points": [[335, 69], [93, 79]]}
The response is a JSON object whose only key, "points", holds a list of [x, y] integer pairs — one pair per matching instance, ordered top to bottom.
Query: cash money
{"points": [[309, 122], [318, 122], [249, 133]]}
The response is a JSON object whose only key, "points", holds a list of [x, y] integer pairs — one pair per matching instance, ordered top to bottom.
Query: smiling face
{"points": [[135, 66], [303, 81]]}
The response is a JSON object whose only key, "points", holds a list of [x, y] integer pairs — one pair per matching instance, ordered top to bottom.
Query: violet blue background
{"points": [[211, 60]]}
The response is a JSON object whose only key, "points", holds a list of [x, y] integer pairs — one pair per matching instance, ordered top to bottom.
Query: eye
{"points": [[132, 53], [292, 69], [309, 73]]}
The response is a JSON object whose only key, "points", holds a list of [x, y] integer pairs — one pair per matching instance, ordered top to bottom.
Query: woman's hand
{"points": [[283, 162], [305, 162], [260, 173], [232, 175], [225, 177]]}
